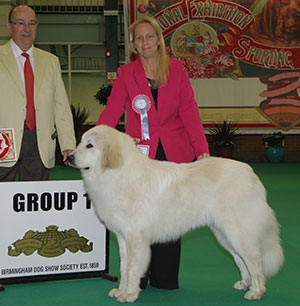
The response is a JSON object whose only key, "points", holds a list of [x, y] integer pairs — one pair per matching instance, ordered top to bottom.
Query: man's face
{"points": [[22, 27]]}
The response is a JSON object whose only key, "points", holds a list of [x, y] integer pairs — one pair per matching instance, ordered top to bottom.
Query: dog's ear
{"points": [[269, 18], [266, 21], [111, 157], [114, 158]]}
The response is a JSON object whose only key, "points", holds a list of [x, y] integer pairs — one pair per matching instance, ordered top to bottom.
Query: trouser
{"points": [[164, 265]]}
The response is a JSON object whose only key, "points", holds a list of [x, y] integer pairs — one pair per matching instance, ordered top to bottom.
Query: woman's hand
{"points": [[204, 155]]}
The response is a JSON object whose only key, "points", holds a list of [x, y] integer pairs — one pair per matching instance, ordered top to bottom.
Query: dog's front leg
{"points": [[138, 250], [116, 292]]}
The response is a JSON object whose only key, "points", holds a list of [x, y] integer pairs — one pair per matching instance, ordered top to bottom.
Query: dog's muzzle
{"points": [[71, 160]]}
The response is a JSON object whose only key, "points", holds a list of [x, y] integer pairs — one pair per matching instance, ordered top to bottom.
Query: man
{"points": [[37, 123]]}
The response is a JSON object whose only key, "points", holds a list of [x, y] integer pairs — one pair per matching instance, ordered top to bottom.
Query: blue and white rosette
{"points": [[141, 104]]}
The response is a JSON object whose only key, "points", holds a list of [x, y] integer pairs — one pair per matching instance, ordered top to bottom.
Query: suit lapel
{"points": [[9, 62], [39, 71], [139, 76], [143, 87]]}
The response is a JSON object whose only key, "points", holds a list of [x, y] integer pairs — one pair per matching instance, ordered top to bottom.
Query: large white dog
{"points": [[144, 201]]}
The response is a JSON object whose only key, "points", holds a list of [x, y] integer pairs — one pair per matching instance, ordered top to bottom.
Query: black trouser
{"points": [[164, 265]]}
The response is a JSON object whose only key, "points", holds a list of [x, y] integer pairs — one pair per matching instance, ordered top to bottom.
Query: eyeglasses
{"points": [[22, 24]]}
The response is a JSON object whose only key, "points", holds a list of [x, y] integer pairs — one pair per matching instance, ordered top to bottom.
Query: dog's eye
{"points": [[89, 146]]}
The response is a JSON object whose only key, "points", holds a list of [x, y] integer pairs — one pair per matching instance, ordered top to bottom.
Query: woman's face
{"points": [[146, 40]]}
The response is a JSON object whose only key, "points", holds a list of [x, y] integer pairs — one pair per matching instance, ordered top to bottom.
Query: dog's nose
{"points": [[71, 159]]}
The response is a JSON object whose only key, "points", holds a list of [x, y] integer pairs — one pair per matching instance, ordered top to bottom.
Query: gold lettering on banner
{"points": [[178, 14], [234, 15], [171, 17], [269, 58], [51, 243]]}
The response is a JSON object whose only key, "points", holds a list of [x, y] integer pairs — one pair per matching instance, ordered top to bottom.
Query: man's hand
{"points": [[66, 154]]}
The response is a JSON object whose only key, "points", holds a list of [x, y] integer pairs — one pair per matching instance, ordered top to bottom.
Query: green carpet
{"points": [[207, 272]]}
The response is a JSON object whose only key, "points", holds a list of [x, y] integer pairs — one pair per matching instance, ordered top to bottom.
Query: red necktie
{"points": [[29, 83]]}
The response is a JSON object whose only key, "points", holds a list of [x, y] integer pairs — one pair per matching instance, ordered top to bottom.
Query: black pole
{"points": [[111, 36]]}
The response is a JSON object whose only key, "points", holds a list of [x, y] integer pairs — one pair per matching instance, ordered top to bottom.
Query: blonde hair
{"points": [[162, 63]]}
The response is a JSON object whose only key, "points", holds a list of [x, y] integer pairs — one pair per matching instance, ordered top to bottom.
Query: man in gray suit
{"points": [[35, 146]]}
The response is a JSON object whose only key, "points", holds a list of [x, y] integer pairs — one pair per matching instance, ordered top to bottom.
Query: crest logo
{"points": [[51, 243]]}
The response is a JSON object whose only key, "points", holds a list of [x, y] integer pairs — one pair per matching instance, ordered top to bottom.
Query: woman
{"points": [[163, 118]]}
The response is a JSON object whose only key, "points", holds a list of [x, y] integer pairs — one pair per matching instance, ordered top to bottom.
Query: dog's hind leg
{"points": [[138, 251], [250, 254], [248, 259], [245, 282], [257, 287], [116, 292]]}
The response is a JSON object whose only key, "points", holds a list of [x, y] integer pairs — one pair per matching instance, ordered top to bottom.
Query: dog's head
{"points": [[279, 23], [288, 24], [98, 150]]}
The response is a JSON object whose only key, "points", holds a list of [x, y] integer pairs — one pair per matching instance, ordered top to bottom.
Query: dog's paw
{"points": [[241, 285], [116, 292], [253, 295], [128, 297]]}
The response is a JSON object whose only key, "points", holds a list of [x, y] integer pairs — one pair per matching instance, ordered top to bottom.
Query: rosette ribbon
{"points": [[141, 105]]}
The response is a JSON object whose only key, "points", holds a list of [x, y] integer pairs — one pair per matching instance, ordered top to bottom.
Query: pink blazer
{"points": [[176, 121]]}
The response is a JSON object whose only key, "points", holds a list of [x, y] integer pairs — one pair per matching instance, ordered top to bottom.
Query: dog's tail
{"points": [[272, 255]]}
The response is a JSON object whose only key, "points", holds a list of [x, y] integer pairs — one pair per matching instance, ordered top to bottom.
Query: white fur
{"points": [[144, 201]]}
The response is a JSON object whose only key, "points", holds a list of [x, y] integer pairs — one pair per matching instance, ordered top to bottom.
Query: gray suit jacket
{"points": [[53, 114]]}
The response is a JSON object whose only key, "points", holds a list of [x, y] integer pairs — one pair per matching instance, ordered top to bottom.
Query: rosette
{"points": [[141, 105]]}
